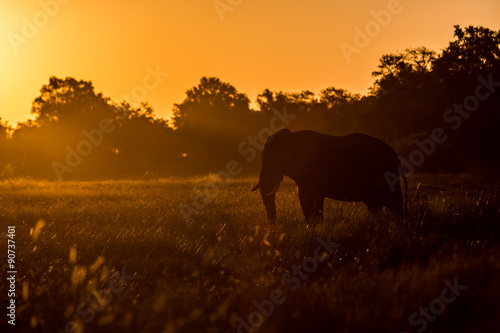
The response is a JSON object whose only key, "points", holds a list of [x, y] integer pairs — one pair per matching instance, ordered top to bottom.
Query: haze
{"points": [[280, 45]]}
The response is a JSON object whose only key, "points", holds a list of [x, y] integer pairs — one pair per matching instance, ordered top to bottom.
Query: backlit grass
{"points": [[72, 236]]}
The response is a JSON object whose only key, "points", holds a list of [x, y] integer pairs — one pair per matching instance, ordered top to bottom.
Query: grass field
{"points": [[117, 256]]}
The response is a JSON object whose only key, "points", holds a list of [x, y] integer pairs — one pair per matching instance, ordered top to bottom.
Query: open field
{"points": [[117, 256]]}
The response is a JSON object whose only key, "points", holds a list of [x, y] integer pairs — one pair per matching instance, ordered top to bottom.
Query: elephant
{"points": [[348, 168]]}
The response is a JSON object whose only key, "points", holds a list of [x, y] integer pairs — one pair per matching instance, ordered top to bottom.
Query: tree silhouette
{"points": [[475, 51], [400, 70], [403, 87], [411, 91], [332, 97], [69, 101], [210, 106], [69, 117], [211, 121], [144, 145], [6, 167]]}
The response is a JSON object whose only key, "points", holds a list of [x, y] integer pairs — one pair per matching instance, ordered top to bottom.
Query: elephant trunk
{"points": [[268, 194], [270, 204]]}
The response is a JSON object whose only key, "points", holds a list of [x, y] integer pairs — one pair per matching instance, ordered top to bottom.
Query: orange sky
{"points": [[283, 45]]}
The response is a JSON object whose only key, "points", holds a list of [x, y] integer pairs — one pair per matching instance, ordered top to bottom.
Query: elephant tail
{"points": [[405, 208]]}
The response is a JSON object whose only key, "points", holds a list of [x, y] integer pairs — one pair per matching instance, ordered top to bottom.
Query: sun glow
{"points": [[294, 47]]}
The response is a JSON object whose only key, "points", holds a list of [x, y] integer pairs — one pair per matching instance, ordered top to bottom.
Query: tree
{"points": [[475, 51], [400, 70], [405, 91], [332, 97], [70, 102], [210, 106], [304, 106], [338, 112], [211, 121], [5, 131], [78, 133], [144, 145], [5, 148]]}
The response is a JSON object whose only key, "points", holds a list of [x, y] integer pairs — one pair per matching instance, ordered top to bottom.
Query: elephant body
{"points": [[346, 168]]}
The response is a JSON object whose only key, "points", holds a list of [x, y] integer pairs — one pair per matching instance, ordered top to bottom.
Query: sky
{"points": [[155, 50]]}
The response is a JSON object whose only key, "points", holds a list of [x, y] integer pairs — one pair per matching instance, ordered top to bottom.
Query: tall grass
{"points": [[71, 237]]}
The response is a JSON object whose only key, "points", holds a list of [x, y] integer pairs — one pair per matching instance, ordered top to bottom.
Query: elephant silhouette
{"points": [[347, 168]]}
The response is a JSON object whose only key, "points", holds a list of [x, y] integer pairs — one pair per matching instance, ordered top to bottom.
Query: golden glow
{"points": [[280, 45]]}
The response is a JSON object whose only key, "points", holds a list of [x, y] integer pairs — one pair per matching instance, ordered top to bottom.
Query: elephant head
{"points": [[274, 162]]}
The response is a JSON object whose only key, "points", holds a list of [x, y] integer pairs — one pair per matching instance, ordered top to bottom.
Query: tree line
{"points": [[77, 133]]}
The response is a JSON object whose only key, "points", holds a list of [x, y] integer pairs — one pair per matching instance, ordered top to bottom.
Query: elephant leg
{"points": [[312, 205]]}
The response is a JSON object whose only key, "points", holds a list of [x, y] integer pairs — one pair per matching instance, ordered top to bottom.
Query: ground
{"points": [[119, 256]]}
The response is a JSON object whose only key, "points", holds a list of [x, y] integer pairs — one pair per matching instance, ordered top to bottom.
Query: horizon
{"points": [[45, 38]]}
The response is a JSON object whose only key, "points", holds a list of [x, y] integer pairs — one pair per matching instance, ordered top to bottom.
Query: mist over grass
{"points": [[201, 277]]}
